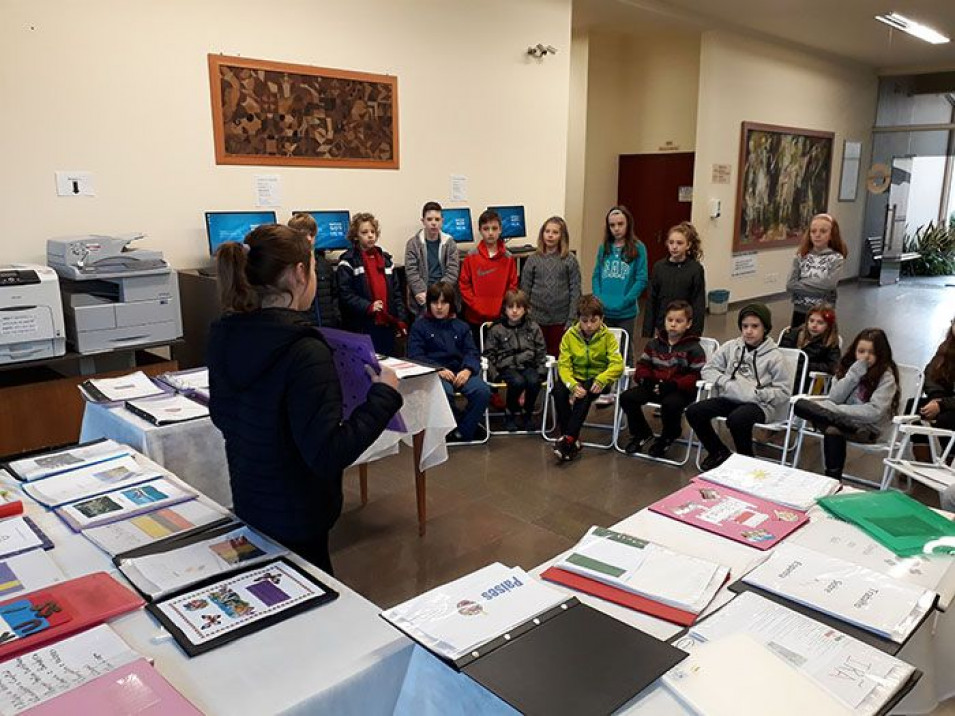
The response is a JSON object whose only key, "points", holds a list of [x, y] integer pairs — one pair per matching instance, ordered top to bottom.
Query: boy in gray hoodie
{"points": [[430, 256], [751, 383]]}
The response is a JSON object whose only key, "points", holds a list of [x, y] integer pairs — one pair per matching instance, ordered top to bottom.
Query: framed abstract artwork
{"points": [[273, 113], [783, 181]]}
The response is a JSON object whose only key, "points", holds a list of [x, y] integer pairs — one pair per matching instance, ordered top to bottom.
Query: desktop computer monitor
{"points": [[512, 221], [457, 223], [223, 226], [332, 228]]}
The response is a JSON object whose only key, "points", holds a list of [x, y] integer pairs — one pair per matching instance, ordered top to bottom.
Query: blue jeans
{"points": [[526, 381], [477, 393]]}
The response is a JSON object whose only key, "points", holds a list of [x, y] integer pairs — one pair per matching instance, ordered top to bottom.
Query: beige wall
{"points": [[743, 79], [121, 89], [577, 136]]}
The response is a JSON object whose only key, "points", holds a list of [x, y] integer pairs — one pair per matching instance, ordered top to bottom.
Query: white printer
{"points": [[115, 296], [31, 316]]}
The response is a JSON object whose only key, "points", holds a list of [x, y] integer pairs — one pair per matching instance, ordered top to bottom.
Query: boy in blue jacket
{"points": [[441, 340]]}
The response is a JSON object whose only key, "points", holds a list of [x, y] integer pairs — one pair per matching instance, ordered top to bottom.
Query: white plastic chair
{"points": [[710, 346], [819, 382], [910, 387], [938, 473]]}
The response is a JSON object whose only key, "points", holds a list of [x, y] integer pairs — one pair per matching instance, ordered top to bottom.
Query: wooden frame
{"points": [[274, 113], [783, 181]]}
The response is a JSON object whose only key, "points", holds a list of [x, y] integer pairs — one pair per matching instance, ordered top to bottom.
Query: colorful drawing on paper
{"points": [[273, 113], [783, 182], [144, 495], [97, 506], [236, 550], [9, 582], [267, 592], [231, 604]]}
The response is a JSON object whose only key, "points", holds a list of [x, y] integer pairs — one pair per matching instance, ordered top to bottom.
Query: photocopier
{"points": [[114, 296], [31, 315]]}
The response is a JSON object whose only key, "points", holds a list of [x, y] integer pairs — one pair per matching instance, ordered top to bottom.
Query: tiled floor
{"points": [[509, 501]]}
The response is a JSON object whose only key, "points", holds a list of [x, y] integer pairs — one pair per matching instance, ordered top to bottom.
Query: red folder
{"points": [[619, 596], [32, 620]]}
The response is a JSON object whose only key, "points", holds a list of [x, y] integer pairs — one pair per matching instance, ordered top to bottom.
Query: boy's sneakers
{"points": [[510, 423], [638, 443], [659, 447], [566, 448], [715, 459]]}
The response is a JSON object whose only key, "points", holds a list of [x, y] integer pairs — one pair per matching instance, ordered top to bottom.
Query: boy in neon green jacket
{"points": [[589, 363]]}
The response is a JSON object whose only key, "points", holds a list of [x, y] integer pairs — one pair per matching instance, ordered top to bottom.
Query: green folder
{"points": [[891, 518]]}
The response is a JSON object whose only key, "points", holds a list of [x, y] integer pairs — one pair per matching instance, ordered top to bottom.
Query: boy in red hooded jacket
{"points": [[487, 273]]}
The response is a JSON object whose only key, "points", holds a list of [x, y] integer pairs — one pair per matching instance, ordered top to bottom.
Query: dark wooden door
{"points": [[649, 185]]}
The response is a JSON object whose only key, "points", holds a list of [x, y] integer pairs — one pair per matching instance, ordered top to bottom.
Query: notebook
{"points": [[125, 387], [167, 409], [51, 463], [788, 486], [123, 503]]}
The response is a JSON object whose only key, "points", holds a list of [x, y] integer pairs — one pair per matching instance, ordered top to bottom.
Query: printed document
{"points": [[783, 485]]}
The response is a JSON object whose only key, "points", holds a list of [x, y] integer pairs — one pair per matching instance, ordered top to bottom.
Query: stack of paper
{"points": [[406, 368], [114, 390], [167, 409], [53, 463], [771, 481], [84, 482], [123, 503], [896, 520], [129, 534], [205, 555], [646, 569], [860, 596], [460, 616], [40, 675], [859, 676]]}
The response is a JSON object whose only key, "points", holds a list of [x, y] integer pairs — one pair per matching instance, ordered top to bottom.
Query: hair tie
{"points": [[829, 316]]}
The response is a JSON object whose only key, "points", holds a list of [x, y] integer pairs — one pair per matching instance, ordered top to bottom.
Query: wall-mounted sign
{"points": [[722, 173]]}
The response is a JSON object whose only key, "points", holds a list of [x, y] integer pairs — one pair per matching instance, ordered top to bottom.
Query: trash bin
{"points": [[719, 300]]}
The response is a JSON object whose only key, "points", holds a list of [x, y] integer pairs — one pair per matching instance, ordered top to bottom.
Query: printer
{"points": [[114, 296], [31, 316]]}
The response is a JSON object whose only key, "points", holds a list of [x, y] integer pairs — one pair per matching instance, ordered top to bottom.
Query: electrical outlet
{"points": [[74, 183], [771, 279]]}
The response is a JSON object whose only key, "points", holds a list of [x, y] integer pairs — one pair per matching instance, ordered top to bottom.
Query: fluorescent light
{"points": [[916, 29]]}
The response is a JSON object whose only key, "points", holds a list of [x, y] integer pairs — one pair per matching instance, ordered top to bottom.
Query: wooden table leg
{"points": [[420, 481], [363, 482]]}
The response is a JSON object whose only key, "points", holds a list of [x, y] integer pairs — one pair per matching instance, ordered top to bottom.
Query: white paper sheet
{"points": [[405, 368], [187, 379], [125, 387], [53, 463], [88, 481], [783, 485], [123, 503], [16, 536], [118, 537], [650, 570], [27, 572], [858, 595], [454, 618], [40, 675], [861, 677]]}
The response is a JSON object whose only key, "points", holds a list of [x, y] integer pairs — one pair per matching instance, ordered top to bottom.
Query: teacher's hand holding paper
{"points": [[386, 375]]}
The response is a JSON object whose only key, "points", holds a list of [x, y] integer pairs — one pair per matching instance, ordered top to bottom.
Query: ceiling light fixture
{"points": [[916, 29]]}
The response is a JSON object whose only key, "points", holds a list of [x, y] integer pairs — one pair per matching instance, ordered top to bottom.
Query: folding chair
{"points": [[710, 346], [549, 361], [796, 365], [552, 376], [819, 381], [910, 386], [938, 473]]}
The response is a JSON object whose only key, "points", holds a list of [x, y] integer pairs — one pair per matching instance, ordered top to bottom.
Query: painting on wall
{"points": [[273, 113], [783, 182]]}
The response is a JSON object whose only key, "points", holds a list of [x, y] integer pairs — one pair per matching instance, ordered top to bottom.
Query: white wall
{"points": [[742, 79], [120, 88], [577, 135]]}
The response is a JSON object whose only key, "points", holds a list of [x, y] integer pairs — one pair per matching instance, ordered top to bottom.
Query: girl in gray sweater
{"points": [[817, 267], [551, 280], [862, 401]]}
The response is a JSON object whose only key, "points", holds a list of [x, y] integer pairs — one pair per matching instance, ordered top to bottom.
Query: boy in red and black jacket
{"points": [[487, 273], [666, 373]]}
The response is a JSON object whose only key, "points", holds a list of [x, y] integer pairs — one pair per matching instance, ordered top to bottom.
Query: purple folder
{"points": [[351, 353]]}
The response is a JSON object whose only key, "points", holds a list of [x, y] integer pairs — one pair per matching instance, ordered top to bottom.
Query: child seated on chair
{"points": [[818, 338], [441, 340], [517, 355], [590, 362], [666, 373], [751, 383], [862, 401]]}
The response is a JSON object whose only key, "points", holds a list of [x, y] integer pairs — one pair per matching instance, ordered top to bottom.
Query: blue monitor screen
{"points": [[512, 221], [457, 223], [223, 226], [332, 231]]}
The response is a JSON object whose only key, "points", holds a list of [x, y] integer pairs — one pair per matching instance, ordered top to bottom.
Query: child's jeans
{"points": [[526, 381], [477, 393], [672, 406], [570, 418], [740, 419]]}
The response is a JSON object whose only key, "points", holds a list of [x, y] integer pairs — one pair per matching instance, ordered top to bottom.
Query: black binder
{"points": [[157, 421], [570, 660]]}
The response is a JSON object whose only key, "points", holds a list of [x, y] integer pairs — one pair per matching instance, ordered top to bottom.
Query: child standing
{"points": [[430, 256], [816, 267], [487, 273], [620, 274], [679, 277], [551, 280], [369, 286], [327, 311], [818, 338], [441, 340], [517, 355], [589, 363], [666, 373], [752, 385], [862, 401]]}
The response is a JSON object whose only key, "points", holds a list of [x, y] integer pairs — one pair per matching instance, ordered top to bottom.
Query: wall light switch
{"points": [[74, 184]]}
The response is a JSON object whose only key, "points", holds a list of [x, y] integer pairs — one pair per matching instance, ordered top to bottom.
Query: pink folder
{"points": [[732, 514], [135, 688]]}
